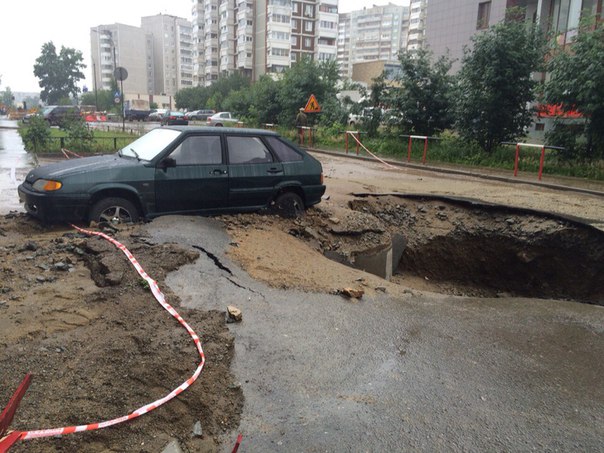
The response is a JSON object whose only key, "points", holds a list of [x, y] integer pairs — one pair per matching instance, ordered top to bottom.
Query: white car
{"points": [[222, 119]]}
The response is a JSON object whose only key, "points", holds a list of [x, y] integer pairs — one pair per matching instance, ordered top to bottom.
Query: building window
{"points": [[484, 11], [308, 26], [539, 126]]}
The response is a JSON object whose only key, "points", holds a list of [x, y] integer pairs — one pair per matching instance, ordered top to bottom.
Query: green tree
{"points": [[58, 73], [303, 79], [495, 82], [577, 83], [423, 97], [6, 98], [192, 98], [103, 99], [264, 103]]}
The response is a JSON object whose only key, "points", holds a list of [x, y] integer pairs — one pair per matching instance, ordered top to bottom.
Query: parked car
{"points": [[156, 114], [58, 115], [199, 115], [28, 116], [173, 118], [222, 119], [178, 170]]}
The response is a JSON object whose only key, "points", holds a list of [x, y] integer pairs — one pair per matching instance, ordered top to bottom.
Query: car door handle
{"points": [[274, 170], [218, 171]]}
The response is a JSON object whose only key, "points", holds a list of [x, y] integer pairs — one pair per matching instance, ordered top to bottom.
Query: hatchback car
{"points": [[58, 115], [173, 118], [178, 170]]}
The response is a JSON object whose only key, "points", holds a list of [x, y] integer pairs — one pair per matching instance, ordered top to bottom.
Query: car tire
{"points": [[218, 124], [289, 205], [114, 210]]}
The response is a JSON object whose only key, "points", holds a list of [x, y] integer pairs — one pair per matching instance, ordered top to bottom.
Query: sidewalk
{"points": [[556, 182]]}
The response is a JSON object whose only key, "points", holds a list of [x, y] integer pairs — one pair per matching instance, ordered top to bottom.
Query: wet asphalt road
{"points": [[15, 162], [420, 373]]}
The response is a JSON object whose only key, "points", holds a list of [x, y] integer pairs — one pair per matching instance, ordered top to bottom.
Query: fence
{"points": [[98, 144], [531, 145]]}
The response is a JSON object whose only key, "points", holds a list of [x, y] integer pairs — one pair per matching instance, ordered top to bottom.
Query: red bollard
{"points": [[346, 140], [358, 140], [425, 150], [409, 151], [516, 159], [541, 162]]}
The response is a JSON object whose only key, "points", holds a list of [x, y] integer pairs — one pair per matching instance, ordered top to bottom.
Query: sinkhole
{"points": [[464, 247]]}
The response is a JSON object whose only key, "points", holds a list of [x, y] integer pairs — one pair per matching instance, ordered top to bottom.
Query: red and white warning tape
{"points": [[353, 135], [26, 435]]}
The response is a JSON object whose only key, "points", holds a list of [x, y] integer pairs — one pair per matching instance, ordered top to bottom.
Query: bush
{"points": [[37, 135], [79, 136]]}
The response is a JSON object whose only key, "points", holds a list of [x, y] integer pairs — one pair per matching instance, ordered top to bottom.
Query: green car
{"points": [[178, 170]]}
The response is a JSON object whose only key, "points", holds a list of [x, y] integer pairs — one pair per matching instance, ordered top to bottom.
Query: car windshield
{"points": [[150, 144]]}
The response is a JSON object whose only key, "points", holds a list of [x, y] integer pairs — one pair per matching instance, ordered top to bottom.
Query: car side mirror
{"points": [[167, 163]]}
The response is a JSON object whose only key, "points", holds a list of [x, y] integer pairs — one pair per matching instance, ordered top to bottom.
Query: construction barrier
{"points": [[302, 130], [425, 138], [357, 139], [531, 145]]}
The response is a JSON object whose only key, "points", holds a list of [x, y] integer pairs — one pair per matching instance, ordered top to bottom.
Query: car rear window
{"points": [[248, 150], [284, 152]]}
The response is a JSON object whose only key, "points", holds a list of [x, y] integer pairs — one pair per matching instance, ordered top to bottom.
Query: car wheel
{"points": [[289, 205], [114, 211]]}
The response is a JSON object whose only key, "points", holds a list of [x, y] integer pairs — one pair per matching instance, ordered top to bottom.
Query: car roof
{"points": [[220, 130]]}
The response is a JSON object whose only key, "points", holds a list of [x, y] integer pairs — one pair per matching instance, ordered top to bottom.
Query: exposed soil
{"points": [[450, 246], [74, 312]]}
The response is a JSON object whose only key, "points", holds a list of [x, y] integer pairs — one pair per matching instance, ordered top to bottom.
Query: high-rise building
{"points": [[450, 24], [417, 25], [378, 33], [262, 36], [126, 46], [172, 52], [343, 55]]}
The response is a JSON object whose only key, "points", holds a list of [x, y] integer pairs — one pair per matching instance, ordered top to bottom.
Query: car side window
{"points": [[198, 150], [248, 150], [284, 152]]}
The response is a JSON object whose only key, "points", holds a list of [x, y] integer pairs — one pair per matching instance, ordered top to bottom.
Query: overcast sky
{"points": [[28, 24]]}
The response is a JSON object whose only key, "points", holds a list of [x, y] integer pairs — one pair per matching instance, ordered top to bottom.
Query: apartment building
{"points": [[450, 24], [417, 25], [378, 33], [260, 37], [122, 45], [172, 52]]}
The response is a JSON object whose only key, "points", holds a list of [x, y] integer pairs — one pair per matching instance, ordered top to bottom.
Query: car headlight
{"points": [[47, 185]]}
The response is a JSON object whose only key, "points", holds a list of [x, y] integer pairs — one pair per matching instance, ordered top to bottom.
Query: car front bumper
{"points": [[52, 207]]}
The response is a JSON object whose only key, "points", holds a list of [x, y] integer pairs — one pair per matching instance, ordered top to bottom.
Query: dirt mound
{"points": [[98, 351]]}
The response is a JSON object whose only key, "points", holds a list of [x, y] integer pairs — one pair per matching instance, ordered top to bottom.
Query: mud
{"points": [[461, 247], [75, 314]]}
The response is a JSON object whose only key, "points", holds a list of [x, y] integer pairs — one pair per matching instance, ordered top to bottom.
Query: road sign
{"points": [[120, 73], [312, 106]]}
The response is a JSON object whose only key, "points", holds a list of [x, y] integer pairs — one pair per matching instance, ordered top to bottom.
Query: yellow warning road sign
{"points": [[312, 106]]}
